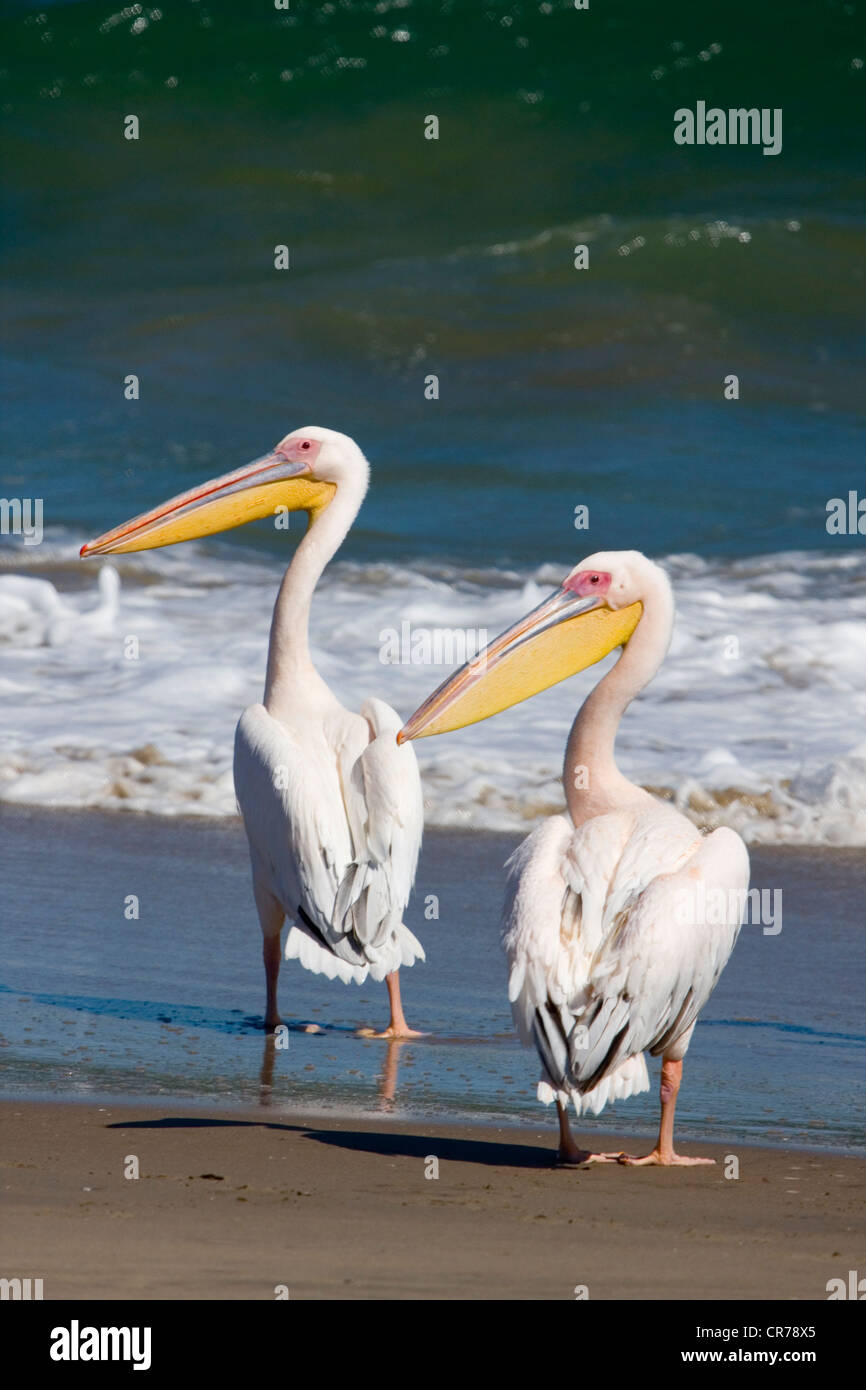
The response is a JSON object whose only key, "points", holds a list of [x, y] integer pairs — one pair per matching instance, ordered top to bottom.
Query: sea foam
{"points": [[121, 683]]}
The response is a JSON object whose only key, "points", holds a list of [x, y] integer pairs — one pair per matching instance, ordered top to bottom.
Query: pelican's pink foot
{"points": [[393, 1033], [573, 1157], [663, 1160]]}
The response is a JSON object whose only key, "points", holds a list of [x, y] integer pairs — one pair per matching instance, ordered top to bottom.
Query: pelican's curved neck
{"points": [[291, 672], [593, 783]]}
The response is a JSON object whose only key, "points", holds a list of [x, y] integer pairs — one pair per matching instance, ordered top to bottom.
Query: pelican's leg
{"points": [[271, 917], [271, 954], [397, 1027], [663, 1153], [570, 1154]]}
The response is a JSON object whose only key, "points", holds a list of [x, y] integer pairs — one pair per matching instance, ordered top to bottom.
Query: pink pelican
{"points": [[331, 804], [609, 948]]}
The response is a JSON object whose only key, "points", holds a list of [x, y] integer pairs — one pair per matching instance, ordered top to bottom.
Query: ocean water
{"points": [[454, 257], [557, 388]]}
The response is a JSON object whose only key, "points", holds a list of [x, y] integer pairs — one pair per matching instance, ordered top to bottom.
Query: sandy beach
{"points": [[230, 1206]]}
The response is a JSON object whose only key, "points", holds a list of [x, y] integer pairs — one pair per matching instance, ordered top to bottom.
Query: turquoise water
{"points": [[454, 257]]}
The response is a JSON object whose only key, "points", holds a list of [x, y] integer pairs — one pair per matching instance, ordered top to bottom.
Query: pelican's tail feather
{"points": [[303, 947], [406, 950], [628, 1079]]}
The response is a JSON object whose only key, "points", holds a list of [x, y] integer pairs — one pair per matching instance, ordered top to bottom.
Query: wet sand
{"points": [[167, 1008], [230, 1206]]}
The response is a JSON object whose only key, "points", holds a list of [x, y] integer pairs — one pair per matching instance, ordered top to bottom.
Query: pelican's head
{"points": [[301, 474], [597, 608]]}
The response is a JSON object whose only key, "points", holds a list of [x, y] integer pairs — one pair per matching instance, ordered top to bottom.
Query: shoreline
{"points": [[194, 821], [628, 1135], [230, 1207]]}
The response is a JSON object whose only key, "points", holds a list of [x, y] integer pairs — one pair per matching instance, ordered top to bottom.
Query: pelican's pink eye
{"points": [[294, 450], [588, 583]]}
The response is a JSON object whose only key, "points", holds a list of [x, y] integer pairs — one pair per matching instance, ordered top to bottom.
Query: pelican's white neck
{"points": [[291, 672], [593, 783]]}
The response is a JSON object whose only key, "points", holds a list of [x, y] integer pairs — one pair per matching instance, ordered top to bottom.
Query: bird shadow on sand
{"points": [[493, 1153]]}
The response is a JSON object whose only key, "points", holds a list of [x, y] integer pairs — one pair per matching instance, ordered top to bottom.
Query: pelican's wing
{"points": [[289, 793], [384, 806], [334, 819], [541, 924], [549, 936], [663, 953], [605, 960]]}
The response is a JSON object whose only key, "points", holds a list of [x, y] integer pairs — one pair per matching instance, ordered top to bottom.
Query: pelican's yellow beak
{"points": [[249, 493], [560, 637]]}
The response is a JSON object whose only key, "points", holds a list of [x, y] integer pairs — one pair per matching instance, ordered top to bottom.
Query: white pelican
{"points": [[331, 805], [614, 926]]}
